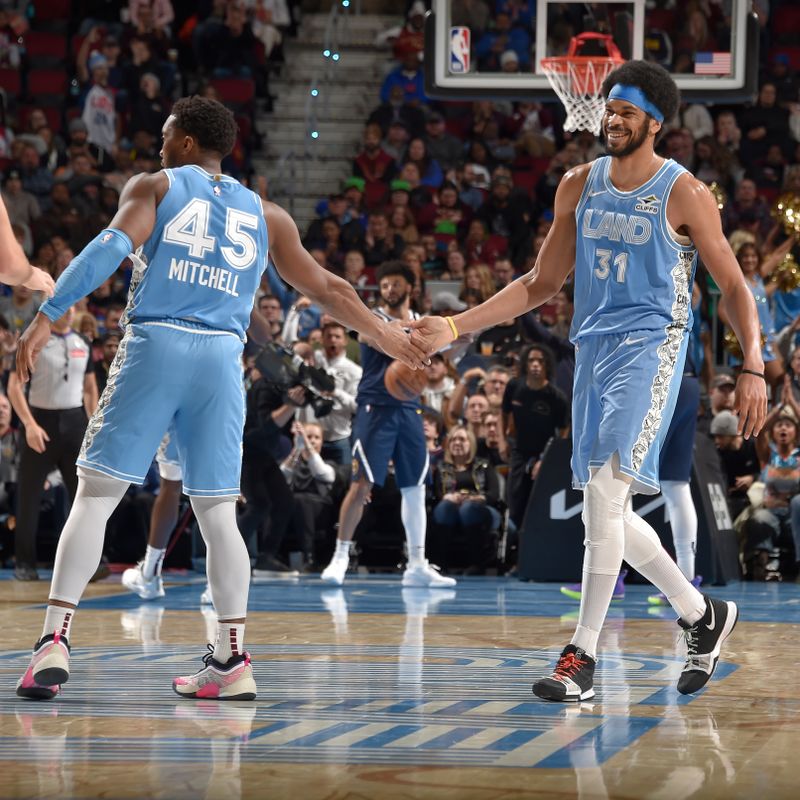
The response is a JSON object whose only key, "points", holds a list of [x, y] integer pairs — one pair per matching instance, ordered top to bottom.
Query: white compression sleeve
{"points": [[603, 506], [412, 512], [683, 521], [81, 543], [644, 552], [227, 560]]}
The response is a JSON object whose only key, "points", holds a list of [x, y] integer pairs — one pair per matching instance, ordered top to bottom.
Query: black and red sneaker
{"points": [[572, 678]]}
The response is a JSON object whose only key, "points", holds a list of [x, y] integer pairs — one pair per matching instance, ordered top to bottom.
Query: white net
{"points": [[578, 83]]}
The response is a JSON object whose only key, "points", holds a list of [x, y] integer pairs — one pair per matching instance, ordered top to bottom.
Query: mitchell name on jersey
{"points": [[219, 278]]}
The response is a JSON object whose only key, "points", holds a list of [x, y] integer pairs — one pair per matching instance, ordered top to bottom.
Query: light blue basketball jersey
{"points": [[204, 258], [630, 273]]}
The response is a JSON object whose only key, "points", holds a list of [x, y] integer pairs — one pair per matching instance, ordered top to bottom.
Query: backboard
{"points": [[712, 57]]}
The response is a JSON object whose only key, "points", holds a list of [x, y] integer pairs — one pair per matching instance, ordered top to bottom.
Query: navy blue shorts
{"points": [[389, 433], [678, 447]]}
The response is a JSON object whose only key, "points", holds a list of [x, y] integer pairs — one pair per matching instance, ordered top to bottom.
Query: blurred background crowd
{"points": [[460, 192]]}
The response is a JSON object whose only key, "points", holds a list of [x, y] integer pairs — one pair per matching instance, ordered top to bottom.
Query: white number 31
{"points": [[189, 228], [603, 267]]}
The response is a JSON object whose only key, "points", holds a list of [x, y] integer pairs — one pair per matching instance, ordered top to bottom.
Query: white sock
{"points": [[603, 506], [412, 512], [683, 521], [80, 545], [342, 549], [644, 552], [153, 559], [227, 560], [58, 619], [230, 641]]}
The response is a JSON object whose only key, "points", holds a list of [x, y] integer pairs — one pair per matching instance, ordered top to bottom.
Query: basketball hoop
{"points": [[578, 80]]}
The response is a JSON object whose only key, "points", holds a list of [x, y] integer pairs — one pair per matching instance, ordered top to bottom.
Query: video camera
{"points": [[284, 367]]}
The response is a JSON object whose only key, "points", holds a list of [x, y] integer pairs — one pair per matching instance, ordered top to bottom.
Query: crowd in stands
{"points": [[460, 193]]}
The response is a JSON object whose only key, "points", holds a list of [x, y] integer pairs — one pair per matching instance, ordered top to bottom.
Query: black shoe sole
{"points": [[51, 677], [36, 693], [545, 694], [193, 696]]}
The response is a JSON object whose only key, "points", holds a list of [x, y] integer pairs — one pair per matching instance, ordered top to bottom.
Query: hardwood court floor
{"points": [[373, 691]]}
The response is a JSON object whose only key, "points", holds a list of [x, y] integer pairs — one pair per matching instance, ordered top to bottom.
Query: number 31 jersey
{"points": [[204, 259], [632, 272]]}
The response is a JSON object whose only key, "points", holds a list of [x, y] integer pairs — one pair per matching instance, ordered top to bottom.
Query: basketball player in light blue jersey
{"points": [[630, 224], [200, 241]]}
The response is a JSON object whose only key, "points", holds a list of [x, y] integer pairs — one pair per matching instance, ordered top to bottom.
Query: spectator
{"points": [[411, 36], [501, 38], [409, 76], [99, 108], [149, 110], [763, 124], [727, 133], [396, 141], [441, 146], [374, 165], [430, 172], [35, 178], [747, 205], [23, 207], [502, 217], [401, 222], [379, 244], [456, 264], [355, 270], [503, 272], [478, 277], [20, 307], [111, 340], [501, 340], [440, 385], [476, 408], [534, 411], [433, 425], [337, 426], [494, 445], [738, 458], [311, 479], [466, 516], [775, 525]]}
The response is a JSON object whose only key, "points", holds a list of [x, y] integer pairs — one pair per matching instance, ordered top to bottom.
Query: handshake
{"points": [[413, 341]]}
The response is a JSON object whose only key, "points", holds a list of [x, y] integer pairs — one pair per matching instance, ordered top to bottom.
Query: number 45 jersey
{"points": [[204, 258], [632, 271]]}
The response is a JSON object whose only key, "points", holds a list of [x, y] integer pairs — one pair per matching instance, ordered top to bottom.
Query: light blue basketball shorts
{"points": [[179, 376], [625, 391], [169, 463]]}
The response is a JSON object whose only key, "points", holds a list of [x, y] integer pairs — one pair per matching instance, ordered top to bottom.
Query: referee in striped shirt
{"points": [[62, 395]]}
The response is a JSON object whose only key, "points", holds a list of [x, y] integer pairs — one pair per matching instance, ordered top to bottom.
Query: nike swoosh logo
{"points": [[594, 194], [634, 341], [713, 619]]}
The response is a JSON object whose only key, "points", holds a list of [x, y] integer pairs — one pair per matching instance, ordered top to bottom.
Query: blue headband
{"points": [[633, 94]]}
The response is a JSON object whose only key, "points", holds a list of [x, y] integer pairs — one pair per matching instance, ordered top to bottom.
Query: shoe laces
{"points": [[691, 637], [209, 655], [568, 665]]}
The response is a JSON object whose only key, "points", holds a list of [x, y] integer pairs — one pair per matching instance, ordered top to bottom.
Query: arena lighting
{"points": [[345, 3], [326, 53], [335, 56], [314, 92], [315, 134]]}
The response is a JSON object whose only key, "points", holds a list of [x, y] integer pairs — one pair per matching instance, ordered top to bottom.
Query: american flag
{"points": [[712, 63]]}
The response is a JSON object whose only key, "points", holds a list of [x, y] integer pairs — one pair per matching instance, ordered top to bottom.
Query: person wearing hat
{"points": [[411, 37], [509, 61], [99, 108], [395, 142], [442, 146], [445, 303], [721, 397], [738, 458]]}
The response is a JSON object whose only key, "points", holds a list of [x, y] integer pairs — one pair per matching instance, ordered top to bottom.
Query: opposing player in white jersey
{"points": [[630, 224], [200, 240]]}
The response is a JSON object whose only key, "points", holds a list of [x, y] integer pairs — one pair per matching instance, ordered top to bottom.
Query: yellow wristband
{"points": [[452, 324]]}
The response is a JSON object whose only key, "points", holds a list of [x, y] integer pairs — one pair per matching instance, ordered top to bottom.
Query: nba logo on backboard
{"points": [[459, 50]]}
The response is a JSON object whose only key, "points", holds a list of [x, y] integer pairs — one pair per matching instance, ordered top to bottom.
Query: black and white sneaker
{"points": [[704, 641], [572, 678]]}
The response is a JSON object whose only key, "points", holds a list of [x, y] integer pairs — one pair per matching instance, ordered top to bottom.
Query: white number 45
{"points": [[189, 228]]}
